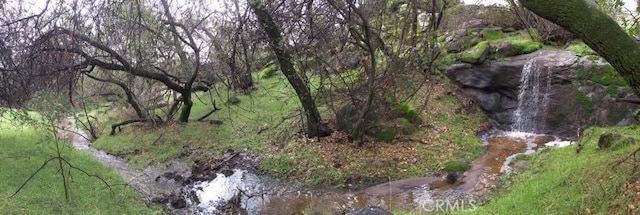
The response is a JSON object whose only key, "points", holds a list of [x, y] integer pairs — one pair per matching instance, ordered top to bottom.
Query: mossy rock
{"points": [[492, 34], [527, 46], [476, 55], [384, 133], [614, 141], [456, 166]]}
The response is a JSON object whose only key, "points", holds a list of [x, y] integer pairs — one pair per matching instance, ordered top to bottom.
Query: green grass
{"points": [[23, 150], [560, 181]]}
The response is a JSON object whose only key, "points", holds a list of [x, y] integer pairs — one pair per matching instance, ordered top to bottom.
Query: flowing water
{"points": [[533, 99], [148, 182]]}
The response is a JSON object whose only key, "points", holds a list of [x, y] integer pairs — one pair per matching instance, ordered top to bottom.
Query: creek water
{"points": [[148, 182], [262, 195]]}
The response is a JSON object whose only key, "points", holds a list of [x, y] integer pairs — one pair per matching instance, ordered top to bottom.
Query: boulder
{"points": [[476, 55], [579, 91], [614, 141]]}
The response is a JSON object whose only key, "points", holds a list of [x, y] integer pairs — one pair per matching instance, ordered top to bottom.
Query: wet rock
{"points": [[577, 89], [451, 178], [178, 203], [370, 210]]}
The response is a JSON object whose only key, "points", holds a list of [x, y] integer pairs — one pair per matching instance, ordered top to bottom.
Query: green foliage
{"points": [[447, 60], [269, 71], [612, 90], [583, 102], [407, 112], [407, 126], [384, 133], [23, 149], [455, 166]]}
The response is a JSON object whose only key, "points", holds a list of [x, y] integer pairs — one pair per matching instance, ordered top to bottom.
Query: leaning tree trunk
{"points": [[597, 30], [315, 127]]}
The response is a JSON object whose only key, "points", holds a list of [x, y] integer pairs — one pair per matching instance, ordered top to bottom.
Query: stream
{"points": [[241, 191], [259, 195]]}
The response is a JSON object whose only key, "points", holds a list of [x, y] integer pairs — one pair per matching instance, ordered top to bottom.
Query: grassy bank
{"points": [[268, 123], [23, 150], [561, 181]]}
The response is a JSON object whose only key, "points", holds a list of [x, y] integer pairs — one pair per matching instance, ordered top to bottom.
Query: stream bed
{"points": [[239, 191], [255, 194]]}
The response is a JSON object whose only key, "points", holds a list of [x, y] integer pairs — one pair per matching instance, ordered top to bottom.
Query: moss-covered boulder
{"points": [[476, 55]]}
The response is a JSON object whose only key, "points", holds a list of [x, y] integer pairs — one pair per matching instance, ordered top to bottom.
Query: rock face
{"points": [[579, 91]]}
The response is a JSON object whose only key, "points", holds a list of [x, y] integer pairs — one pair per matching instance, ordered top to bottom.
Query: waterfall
{"points": [[533, 99]]}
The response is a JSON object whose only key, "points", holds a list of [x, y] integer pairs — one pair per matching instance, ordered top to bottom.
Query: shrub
{"points": [[269, 71], [405, 111], [385, 134], [455, 166]]}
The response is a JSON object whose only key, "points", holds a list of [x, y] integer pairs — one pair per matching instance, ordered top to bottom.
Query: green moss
{"points": [[492, 34], [527, 46], [580, 49], [474, 54], [592, 58], [446, 60], [606, 77], [612, 90], [583, 102], [407, 112], [455, 166]]}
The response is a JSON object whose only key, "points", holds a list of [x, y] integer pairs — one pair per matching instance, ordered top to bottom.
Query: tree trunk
{"points": [[597, 30], [186, 110], [315, 127]]}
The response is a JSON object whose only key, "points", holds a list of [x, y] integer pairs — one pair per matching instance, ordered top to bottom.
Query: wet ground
{"points": [[228, 185]]}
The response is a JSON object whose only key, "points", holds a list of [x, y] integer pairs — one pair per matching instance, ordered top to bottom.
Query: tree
{"points": [[597, 30], [315, 126]]}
